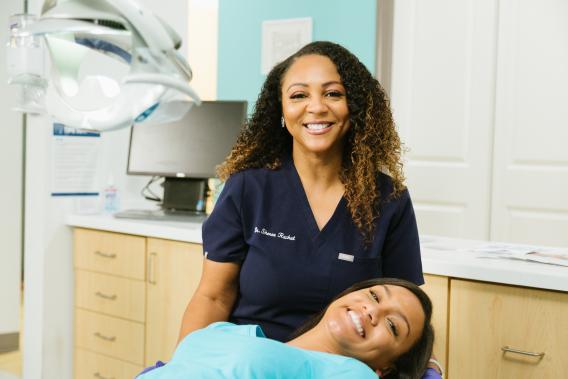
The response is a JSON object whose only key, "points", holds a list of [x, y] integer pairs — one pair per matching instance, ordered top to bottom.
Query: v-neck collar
{"points": [[304, 205]]}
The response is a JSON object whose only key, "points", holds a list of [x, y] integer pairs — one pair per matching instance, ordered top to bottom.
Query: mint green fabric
{"points": [[228, 351]]}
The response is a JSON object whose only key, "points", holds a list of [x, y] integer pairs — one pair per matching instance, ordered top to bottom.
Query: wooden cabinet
{"points": [[174, 270], [437, 288], [130, 295], [487, 318]]}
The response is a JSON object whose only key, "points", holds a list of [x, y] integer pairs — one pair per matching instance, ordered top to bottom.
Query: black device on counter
{"points": [[186, 152]]}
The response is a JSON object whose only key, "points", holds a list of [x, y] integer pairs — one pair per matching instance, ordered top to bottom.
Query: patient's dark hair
{"points": [[410, 365]]}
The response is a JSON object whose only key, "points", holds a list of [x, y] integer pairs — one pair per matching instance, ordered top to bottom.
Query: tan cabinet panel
{"points": [[110, 253], [174, 270], [437, 288], [111, 295], [485, 318], [110, 336], [90, 365]]}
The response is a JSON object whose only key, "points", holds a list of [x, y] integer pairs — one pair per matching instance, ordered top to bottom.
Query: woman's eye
{"points": [[334, 94], [297, 96], [374, 295], [392, 327]]}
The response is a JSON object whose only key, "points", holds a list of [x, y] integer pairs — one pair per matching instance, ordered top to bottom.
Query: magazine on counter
{"points": [[549, 255]]}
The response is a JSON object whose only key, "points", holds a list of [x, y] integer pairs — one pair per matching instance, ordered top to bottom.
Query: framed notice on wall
{"points": [[282, 38], [74, 154]]}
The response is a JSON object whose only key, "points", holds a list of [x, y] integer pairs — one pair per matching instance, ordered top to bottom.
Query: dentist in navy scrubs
{"points": [[314, 199]]}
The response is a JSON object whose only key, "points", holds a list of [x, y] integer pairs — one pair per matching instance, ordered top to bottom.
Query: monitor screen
{"points": [[191, 147]]}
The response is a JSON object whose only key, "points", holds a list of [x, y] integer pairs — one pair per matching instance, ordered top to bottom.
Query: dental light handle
{"points": [[146, 24], [167, 81]]}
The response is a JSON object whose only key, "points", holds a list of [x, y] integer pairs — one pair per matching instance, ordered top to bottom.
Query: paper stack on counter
{"points": [[549, 255]]}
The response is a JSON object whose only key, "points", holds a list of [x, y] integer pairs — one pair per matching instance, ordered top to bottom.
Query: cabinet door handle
{"points": [[105, 255], [152, 268], [104, 296], [103, 337], [508, 349], [98, 375]]}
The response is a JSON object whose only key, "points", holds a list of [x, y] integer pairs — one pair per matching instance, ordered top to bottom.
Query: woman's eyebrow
{"points": [[331, 82], [296, 84], [326, 84], [388, 292]]}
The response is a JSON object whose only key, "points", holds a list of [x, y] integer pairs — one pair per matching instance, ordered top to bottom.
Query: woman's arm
{"points": [[214, 298]]}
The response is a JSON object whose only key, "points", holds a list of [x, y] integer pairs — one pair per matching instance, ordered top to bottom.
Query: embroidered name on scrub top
{"points": [[274, 235]]}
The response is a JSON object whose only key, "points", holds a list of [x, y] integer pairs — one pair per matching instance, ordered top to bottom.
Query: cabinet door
{"points": [[443, 70], [530, 172], [174, 270], [437, 289], [486, 318]]}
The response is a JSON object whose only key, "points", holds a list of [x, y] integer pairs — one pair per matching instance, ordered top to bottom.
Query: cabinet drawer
{"points": [[110, 253], [111, 295], [485, 318], [110, 336], [90, 365]]}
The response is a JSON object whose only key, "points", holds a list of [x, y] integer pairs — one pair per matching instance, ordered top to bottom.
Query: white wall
{"points": [[202, 41], [11, 133]]}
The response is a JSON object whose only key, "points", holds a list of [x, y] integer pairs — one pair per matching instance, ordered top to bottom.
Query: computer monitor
{"points": [[187, 151]]}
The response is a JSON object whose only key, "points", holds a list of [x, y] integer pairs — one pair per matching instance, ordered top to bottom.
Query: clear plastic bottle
{"points": [[25, 66], [110, 197]]}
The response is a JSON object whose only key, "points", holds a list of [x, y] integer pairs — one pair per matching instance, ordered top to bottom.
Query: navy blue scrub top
{"points": [[290, 269]]}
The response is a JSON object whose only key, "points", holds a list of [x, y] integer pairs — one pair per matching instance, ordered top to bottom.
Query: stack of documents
{"points": [[540, 254]]}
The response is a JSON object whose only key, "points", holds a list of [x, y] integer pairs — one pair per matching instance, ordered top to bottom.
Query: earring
{"points": [[282, 122]]}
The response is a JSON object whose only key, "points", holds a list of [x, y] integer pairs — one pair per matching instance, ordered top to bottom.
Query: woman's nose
{"points": [[316, 105], [372, 311]]}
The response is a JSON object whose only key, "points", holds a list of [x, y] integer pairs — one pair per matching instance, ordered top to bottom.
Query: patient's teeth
{"points": [[357, 321]]}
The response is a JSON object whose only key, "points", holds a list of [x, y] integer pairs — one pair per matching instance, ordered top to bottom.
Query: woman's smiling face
{"points": [[314, 105], [375, 325]]}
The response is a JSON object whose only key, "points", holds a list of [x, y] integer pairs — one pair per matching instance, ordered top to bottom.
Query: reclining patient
{"points": [[376, 327]]}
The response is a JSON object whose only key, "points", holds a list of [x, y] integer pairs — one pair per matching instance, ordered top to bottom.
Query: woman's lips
{"points": [[318, 127], [357, 322]]}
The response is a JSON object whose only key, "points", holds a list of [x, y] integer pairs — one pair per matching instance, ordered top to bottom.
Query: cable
{"points": [[147, 193]]}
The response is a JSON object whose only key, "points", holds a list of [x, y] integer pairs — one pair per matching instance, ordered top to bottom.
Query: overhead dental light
{"points": [[113, 63]]}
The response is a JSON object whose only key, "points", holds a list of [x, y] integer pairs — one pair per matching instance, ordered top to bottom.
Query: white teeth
{"points": [[317, 126], [357, 321]]}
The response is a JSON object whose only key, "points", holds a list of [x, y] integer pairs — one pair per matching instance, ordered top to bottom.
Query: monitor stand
{"points": [[184, 201]]}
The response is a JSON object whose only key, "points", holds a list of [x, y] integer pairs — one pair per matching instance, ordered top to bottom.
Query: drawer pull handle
{"points": [[105, 255], [104, 296], [103, 337], [507, 349], [99, 376]]}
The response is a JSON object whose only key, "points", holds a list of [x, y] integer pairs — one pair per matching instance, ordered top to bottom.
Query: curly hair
{"points": [[371, 146]]}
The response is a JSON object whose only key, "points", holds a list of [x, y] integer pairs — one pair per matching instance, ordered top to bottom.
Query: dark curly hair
{"points": [[371, 145]]}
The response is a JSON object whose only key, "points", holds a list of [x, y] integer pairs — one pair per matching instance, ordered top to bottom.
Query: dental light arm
{"points": [[113, 63]]}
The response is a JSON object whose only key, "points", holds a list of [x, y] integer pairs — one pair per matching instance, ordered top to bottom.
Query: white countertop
{"points": [[170, 230], [440, 255]]}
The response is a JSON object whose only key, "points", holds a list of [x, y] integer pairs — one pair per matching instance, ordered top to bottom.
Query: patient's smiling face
{"points": [[375, 325]]}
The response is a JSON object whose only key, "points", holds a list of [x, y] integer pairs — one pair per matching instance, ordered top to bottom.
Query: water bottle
{"points": [[110, 195]]}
